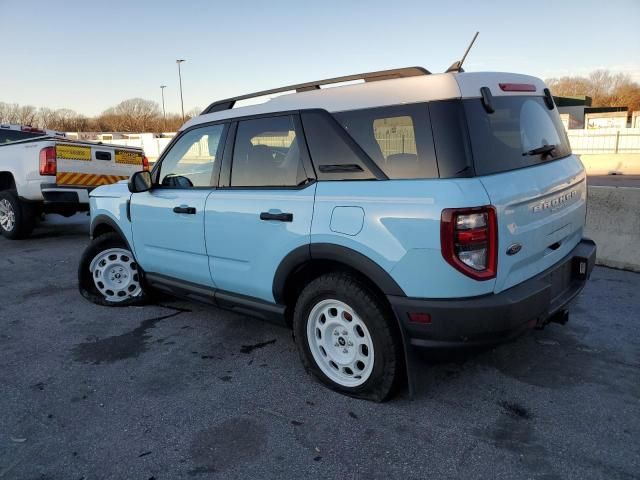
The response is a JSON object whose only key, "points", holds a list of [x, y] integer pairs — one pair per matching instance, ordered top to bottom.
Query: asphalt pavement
{"points": [[632, 181], [181, 390]]}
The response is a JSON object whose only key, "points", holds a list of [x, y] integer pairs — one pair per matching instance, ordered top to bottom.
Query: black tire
{"points": [[23, 214], [86, 284], [388, 365]]}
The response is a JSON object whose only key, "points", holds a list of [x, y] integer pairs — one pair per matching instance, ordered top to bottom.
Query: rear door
{"points": [[522, 157], [85, 165], [263, 208]]}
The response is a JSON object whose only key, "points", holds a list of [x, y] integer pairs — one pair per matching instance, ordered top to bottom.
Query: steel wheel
{"points": [[7, 216], [115, 275], [340, 343]]}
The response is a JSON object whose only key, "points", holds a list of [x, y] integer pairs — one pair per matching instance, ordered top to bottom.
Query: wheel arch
{"points": [[7, 181], [102, 224], [307, 262]]}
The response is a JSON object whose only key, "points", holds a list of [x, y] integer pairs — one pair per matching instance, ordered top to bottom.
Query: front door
{"points": [[264, 210], [168, 220]]}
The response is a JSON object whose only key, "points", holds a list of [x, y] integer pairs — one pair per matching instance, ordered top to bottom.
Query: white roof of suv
{"points": [[418, 86]]}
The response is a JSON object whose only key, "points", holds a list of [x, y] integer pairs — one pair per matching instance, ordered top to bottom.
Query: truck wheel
{"points": [[17, 218], [108, 273], [346, 338]]}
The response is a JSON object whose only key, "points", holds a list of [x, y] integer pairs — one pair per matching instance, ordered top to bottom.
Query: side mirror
{"points": [[140, 182]]}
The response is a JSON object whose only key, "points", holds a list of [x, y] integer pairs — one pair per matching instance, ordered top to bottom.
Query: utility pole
{"points": [[179, 61], [164, 113]]}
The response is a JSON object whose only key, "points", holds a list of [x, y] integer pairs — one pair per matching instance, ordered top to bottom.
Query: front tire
{"points": [[17, 218], [109, 275], [346, 337]]}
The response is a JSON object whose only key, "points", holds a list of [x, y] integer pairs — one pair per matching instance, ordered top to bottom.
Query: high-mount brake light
{"points": [[517, 87], [48, 161], [469, 241]]}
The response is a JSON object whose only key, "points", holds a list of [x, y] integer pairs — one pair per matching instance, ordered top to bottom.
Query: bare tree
{"points": [[605, 89], [133, 115]]}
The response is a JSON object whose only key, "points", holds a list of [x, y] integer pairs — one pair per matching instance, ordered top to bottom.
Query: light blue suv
{"points": [[407, 210]]}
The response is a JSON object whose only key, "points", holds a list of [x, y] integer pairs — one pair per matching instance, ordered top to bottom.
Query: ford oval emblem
{"points": [[513, 249]]}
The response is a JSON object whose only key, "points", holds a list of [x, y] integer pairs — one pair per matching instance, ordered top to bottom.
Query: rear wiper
{"points": [[543, 150]]}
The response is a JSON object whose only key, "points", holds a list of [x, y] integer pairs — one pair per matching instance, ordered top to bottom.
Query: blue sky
{"points": [[89, 55]]}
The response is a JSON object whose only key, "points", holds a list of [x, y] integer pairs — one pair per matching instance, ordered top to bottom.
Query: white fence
{"points": [[605, 140]]}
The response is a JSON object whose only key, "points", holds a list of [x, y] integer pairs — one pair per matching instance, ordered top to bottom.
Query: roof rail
{"points": [[304, 87]]}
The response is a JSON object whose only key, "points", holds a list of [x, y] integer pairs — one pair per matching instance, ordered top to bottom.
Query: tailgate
{"points": [[94, 165], [542, 210]]}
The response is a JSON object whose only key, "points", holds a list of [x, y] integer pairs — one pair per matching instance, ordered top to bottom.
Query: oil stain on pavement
{"points": [[118, 347]]}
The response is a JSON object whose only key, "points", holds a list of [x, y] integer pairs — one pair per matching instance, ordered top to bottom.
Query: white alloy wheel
{"points": [[7, 216], [115, 275], [340, 343]]}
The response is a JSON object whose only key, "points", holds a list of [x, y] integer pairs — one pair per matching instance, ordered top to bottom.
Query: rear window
{"points": [[15, 135], [398, 139], [507, 139]]}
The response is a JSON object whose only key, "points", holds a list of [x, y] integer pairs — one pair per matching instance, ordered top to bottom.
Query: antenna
{"points": [[457, 66]]}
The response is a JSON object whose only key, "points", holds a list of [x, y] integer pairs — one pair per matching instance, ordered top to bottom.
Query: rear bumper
{"points": [[65, 196], [497, 317]]}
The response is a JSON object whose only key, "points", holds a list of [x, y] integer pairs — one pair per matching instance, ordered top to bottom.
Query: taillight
{"points": [[48, 161], [145, 163], [469, 240]]}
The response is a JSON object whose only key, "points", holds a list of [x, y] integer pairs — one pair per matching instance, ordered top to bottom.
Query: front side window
{"points": [[397, 138], [267, 154], [192, 159]]}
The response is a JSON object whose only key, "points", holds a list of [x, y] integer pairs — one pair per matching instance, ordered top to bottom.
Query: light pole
{"points": [[179, 61], [164, 114]]}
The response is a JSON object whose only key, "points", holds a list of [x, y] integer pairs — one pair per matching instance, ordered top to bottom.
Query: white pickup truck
{"points": [[43, 172]]}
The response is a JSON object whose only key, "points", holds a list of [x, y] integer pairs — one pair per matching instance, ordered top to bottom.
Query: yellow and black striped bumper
{"points": [[87, 179]]}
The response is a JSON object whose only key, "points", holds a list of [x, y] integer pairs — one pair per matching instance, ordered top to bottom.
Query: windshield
{"points": [[520, 133]]}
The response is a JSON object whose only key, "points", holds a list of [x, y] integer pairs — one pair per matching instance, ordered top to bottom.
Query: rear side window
{"points": [[398, 139], [507, 139], [267, 153], [334, 154]]}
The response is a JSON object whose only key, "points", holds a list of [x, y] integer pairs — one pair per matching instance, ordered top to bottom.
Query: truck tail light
{"points": [[48, 161], [145, 163], [469, 241]]}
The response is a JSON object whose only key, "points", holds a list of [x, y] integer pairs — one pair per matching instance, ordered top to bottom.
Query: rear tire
{"points": [[17, 218], [109, 275], [346, 337]]}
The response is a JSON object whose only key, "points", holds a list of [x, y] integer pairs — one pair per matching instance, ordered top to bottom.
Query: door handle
{"points": [[185, 209], [281, 217]]}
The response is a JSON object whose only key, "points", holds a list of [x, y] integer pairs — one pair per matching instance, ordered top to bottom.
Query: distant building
{"points": [[572, 110], [576, 112], [605, 117]]}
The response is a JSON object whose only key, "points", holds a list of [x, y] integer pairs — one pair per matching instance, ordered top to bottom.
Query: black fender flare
{"points": [[106, 220], [336, 253]]}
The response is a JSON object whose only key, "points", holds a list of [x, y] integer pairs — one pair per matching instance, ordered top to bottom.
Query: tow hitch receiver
{"points": [[560, 317]]}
